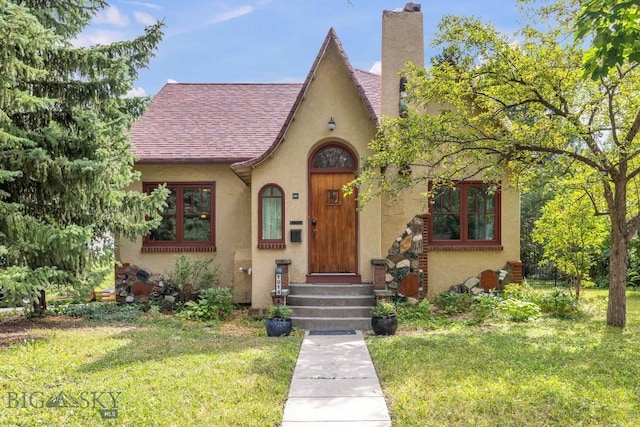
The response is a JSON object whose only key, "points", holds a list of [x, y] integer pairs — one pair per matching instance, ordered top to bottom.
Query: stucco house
{"points": [[256, 171]]}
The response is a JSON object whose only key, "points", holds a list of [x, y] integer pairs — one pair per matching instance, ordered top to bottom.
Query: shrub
{"points": [[190, 275], [512, 291], [453, 302], [559, 303], [212, 304], [485, 306], [519, 311], [279, 312], [414, 312]]}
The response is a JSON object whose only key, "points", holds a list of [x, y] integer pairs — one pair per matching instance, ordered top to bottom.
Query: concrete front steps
{"points": [[329, 307]]}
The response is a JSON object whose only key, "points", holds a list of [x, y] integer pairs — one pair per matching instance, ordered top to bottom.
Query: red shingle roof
{"points": [[211, 122], [233, 122]]}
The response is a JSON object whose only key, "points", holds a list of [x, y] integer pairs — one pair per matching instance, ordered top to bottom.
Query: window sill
{"points": [[272, 245], [179, 248], [465, 248]]}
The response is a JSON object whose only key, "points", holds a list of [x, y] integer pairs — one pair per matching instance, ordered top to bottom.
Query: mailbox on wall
{"points": [[295, 235]]}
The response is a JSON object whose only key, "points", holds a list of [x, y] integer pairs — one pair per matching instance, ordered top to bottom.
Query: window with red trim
{"points": [[468, 213], [271, 217], [188, 221]]}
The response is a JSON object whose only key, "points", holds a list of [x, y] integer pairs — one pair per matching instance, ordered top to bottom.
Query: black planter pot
{"points": [[384, 325], [277, 327]]}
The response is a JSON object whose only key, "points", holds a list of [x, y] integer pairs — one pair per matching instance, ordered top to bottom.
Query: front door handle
{"points": [[314, 223]]}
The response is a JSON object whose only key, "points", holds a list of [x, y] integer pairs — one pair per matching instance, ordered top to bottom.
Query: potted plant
{"points": [[383, 318], [279, 320]]}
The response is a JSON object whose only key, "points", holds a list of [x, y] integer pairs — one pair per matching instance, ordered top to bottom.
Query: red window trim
{"points": [[270, 243], [495, 244], [181, 245]]}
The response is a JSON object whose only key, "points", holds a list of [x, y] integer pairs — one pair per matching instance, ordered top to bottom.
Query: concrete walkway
{"points": [[334, 384]]}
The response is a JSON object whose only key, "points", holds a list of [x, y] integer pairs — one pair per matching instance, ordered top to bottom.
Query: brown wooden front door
{"points": [[333, 242]]}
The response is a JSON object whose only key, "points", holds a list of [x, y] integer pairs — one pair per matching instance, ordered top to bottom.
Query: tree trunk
{"points": [[617, 204], [617, 308]]}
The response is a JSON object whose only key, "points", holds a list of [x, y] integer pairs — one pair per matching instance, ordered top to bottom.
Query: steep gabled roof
{"points": [[368, 82], [211, 123], [235, 123]]}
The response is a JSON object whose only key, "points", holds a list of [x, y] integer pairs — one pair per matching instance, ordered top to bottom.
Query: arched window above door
{"points": [[333, 157]]}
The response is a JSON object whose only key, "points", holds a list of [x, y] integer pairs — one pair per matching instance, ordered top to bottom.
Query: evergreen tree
{"points": [[65, 162]]}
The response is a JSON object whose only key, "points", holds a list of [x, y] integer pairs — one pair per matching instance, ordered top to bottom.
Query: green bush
{"points": [[190, 275], [513, 291], [453, 302], [559, 303], [212, 304], [485, 306], [103, 311], [519, 311], [279, 312], [409, 313]]}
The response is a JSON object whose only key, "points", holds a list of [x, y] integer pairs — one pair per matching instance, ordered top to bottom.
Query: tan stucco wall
{"points": [[331, 93], [232, 210], [447, 268]]}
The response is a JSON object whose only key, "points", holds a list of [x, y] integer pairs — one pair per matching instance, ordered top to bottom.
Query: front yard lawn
{"points": [[159, 371], [548, 372]]}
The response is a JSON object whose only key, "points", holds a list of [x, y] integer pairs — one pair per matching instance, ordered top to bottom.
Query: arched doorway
{"points": [[333, 218]]}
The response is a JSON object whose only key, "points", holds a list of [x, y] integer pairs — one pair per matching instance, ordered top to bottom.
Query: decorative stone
{"points": [[405, 244], [395, 248], [405, 263], [391, 264], [415, 264], [402, 273], [388, 278], [488, 280], [472, 282], [393, 285], [410, 285], [476, 291], [129, 298], [142, 298], [170, 298]]}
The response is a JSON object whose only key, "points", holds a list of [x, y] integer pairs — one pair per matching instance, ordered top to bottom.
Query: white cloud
{"points": [[143, 4], [231, 14], [227, 15], [112, 16], [144, 18], [102, 37], [376, 68], [172, 81], [136, 91]]}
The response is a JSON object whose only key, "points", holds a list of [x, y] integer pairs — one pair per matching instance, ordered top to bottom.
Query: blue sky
{"points": [[265, 40]]}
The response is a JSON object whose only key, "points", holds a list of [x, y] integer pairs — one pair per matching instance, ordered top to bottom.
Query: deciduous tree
{"points": [[519, 106]]}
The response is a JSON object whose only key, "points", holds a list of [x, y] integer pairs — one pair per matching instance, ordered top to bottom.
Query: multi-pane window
{"points": [[271, 211], [465, 214], [188, 219]]}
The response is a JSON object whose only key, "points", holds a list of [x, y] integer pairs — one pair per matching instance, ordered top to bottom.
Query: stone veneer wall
{"points": [[403, 257]]}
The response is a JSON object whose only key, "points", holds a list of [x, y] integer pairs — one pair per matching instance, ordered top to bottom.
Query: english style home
{"points": [[256, 170]]}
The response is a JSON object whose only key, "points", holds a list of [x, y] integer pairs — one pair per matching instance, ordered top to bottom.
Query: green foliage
{"points": [[613, 28], [66, 161], [572, 236], [190, 275], [512, 290], [453, 302], [559, 303], [212, 304], [485, 306], [383, 309], [518, 310], [99, 311], [279, 312], [414, 312]]}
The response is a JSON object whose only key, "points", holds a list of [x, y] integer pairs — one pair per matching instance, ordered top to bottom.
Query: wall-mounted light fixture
{"points": [[331, 125]]}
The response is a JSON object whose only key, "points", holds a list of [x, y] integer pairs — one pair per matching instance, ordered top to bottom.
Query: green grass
{"points": [[168, 373], [545, 373]]}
